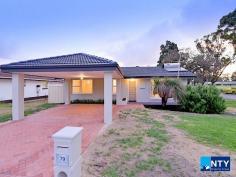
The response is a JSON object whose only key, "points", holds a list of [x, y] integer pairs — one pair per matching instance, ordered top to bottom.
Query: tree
{"points": [[227, 29], [214, 51], [169, 53], [212, 58], [233, 76], [224, 77], [167, 88]]}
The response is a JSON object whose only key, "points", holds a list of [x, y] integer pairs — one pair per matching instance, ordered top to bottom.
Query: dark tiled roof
{"points": [[73, 60], [81, 60], [135, 72]]}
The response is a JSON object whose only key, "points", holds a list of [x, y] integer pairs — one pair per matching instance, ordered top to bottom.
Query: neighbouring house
{"points": [[91, 77], [35, 87]]}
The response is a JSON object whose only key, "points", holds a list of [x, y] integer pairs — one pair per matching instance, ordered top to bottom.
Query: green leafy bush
{"points": [[202, 99]]}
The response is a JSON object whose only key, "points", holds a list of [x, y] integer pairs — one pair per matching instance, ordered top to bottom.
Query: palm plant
{"points": [[167, 88]]}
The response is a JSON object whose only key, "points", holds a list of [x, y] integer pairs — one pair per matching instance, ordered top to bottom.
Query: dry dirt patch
{"points": [[145, 143], [130, 147]]}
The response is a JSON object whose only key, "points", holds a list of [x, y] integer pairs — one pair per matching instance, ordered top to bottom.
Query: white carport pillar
{"points": [[67, 91], [17, 96], [108, 97]]}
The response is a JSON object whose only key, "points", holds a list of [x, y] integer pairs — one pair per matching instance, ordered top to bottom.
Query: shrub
{"points": [[167, 88], [202, 99]]}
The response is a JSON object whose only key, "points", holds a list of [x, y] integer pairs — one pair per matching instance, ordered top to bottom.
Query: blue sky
{"points": [[128, 31]]}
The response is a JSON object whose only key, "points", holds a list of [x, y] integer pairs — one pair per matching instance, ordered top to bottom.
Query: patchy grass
{"points": [[230, 103], [5, 105], [39, 108], [28, 111], [5, 117], [168, 118], [217, 130], [158, 134], [132, 141], [131, 147], [151, 162], [110, 172]]}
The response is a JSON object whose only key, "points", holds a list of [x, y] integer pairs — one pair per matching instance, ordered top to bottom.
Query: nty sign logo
{"points": [[215, 163]]}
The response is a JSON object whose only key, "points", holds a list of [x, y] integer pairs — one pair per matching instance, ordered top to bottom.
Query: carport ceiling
{"points": [[74, 74]]}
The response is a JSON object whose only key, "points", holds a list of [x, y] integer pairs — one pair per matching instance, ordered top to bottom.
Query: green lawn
{"points": [[231, 103], [5, 105], [29, 110], [216, 130]]}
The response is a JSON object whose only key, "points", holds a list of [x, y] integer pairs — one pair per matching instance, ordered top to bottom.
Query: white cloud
{"points": [[145, 49], [5, 61]]}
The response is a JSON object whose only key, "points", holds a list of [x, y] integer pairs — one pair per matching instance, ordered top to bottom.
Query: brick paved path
{"points": [[26, 146]]}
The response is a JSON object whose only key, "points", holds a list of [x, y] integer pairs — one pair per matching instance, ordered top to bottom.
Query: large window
{"points": [[76, 86], [82, 86], [87, 86], [114, 87]]}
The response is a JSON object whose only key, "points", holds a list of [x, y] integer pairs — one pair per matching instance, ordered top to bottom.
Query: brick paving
{"points": [[26, 145]]}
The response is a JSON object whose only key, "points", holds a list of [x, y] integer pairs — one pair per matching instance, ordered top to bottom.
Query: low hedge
{"points": [[90, 101]]}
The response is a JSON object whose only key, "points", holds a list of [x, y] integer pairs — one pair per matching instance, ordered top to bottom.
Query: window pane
{"points": [[76, 83], [114, 83], [87, 86], [114, 86], [75, 90]]}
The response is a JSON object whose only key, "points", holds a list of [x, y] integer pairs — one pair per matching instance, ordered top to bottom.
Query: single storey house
{"points": [[92, 77]]}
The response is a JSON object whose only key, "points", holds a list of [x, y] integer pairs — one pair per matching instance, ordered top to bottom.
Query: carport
{"points": [[75, 66]]}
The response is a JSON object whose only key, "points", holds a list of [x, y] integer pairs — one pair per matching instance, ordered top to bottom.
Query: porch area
{"points": [[26, 145]]}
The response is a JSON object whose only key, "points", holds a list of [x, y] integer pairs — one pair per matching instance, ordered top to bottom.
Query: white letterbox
{"points": [[67, 150]]}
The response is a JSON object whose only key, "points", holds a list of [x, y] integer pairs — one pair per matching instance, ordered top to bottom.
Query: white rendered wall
{"points": [[5, 89], [30, 89], [143, 90], [67, 91], [122, 91]]}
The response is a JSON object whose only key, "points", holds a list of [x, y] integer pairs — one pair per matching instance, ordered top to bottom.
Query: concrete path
{"points": [[26, 146]]}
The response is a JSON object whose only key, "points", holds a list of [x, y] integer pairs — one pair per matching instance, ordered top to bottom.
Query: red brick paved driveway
{"points": [[26, 146]]}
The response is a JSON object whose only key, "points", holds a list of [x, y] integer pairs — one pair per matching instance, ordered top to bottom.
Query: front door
{"points": [[132, 90]]}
